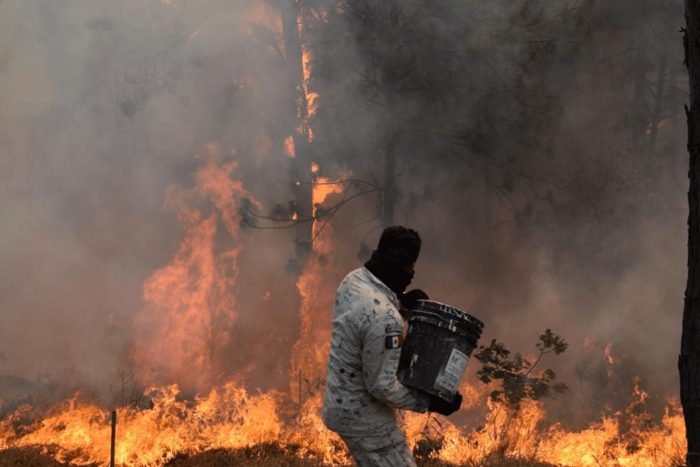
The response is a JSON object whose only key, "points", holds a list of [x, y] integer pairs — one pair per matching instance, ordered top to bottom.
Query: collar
{"points": [[382, 287]]}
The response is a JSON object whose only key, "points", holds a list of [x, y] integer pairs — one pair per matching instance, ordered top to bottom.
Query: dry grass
{"points": [[262, 455], [31, 456], [492, 461]]}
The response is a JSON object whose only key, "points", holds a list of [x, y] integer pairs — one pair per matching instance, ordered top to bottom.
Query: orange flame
{"points": [[311, 101], [289, 146], [323, 187], [189, 303], [311, 349], [608, 355], [228, 417]]}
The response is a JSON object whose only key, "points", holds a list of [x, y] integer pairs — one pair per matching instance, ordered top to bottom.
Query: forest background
{"points": [[537, 146]]}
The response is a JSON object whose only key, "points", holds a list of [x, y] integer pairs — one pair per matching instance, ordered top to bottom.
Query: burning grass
{"points": [[184, 327], [230, 426], [201, 433], [261, 455]]}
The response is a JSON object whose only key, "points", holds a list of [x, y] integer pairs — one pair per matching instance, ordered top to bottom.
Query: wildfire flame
{"points": [[289, 147], [195, 290], [192, 296], [190, 306], [311, 349], [608, 355], [228, 417]]}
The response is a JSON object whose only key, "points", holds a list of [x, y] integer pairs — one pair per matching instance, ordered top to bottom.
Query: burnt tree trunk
{"points": [[640, 84], [658, 106], [301, 175], [689, 359]]}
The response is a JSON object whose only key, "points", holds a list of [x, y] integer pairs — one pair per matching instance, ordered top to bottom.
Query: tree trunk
{"points": [[640, 83], [658, 106], [301, 175], [389, 198], [689, 359]]}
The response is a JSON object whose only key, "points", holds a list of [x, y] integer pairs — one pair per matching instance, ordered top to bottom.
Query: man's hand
{"points": [[409, 300], [441, 406]]}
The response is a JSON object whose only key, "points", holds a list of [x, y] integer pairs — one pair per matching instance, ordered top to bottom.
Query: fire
{"points": [[306, 63], [310, 97], [312, 104], [650, 127], [289, 147], [323, 187], [195, 290], [189, 303], [190, 307], [310, 352], [608, 355], [639, 393], [229, 417]]}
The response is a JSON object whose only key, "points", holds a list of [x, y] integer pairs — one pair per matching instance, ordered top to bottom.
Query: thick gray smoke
{"points": [[573, 224]]}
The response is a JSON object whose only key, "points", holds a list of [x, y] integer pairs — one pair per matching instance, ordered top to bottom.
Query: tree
{"points": [[384, 71], [301, 164], [689, 359]]}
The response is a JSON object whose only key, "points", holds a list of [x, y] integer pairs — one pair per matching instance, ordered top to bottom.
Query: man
{"points": [[362, 391]]}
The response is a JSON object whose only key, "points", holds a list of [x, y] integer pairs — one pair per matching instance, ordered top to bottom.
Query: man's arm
{"points": [[380, 361]]}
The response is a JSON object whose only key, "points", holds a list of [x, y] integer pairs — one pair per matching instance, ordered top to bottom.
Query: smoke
{"points": [[531, 219]]}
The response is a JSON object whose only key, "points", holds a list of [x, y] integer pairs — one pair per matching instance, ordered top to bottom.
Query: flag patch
{"points": [[394, 342]]}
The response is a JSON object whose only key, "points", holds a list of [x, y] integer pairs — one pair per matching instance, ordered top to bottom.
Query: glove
{"points": [[409, 300], [441, 406]]}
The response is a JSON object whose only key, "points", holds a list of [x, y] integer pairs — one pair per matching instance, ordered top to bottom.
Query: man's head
{"points": [[400, 246]]}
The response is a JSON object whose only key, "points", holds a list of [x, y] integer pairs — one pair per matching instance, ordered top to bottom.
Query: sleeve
{"points": [[380, 361]]}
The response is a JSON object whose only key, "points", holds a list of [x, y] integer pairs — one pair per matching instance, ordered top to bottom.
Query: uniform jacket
{"points": [[362, 390]]}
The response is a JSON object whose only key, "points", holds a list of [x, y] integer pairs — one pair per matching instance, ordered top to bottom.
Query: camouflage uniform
{"points": [[362, 391]]}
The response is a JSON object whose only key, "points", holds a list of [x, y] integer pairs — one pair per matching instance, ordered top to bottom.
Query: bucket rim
{"points": [[431, 305]]}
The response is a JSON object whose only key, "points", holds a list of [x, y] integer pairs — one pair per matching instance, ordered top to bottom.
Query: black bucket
{"points": [[437, 348]]}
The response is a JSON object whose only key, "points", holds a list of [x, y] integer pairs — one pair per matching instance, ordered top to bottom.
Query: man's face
{"points": [[410, 268]]}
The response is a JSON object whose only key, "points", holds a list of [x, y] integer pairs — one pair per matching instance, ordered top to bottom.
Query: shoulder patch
{"points": [[394, 328], [393, 342]]}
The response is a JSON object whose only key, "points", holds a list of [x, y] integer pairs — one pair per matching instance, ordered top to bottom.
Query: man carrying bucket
{"points": [[362, 390]]}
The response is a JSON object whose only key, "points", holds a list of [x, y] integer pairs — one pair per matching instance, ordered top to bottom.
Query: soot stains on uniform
{"points": [[365, 316]]}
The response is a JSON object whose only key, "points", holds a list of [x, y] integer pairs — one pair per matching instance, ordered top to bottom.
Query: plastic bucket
{"points": [[438, 344]]}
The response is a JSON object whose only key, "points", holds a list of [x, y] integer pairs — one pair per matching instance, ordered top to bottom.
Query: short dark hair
{"points": [[399, 245]]}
